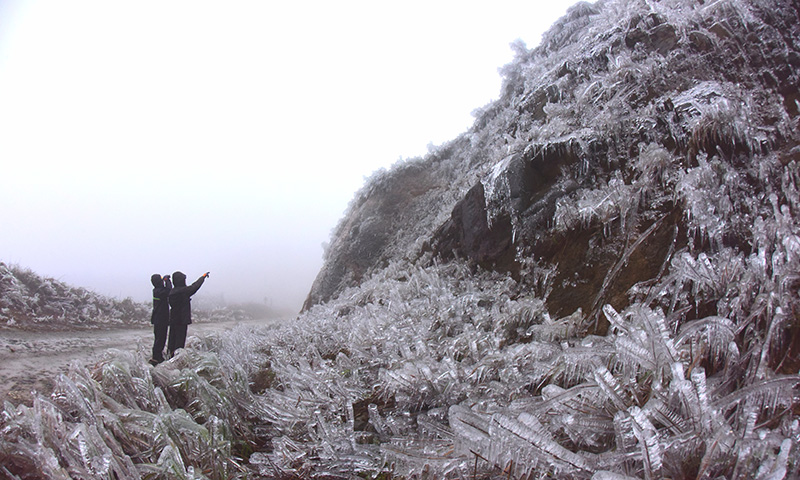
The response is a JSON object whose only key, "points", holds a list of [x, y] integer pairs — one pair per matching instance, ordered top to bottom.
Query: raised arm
{"points": [[193, 288]]}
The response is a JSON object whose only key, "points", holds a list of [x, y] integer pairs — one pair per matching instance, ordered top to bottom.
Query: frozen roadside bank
{"points": [[31, 360]]}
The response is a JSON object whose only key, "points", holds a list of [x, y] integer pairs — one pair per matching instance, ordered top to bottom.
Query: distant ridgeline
{"points": [[28, 300]]}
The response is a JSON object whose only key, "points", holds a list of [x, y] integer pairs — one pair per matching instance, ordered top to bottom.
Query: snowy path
{"points": [[32, 360]]}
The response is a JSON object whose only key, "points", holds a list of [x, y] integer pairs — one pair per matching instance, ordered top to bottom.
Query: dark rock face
{"points": [[652, 32], [612, 146], [468, 234]]}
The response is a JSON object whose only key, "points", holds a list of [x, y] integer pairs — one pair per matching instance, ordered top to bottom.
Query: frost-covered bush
{"points": [[655, 397], [121, 418]]}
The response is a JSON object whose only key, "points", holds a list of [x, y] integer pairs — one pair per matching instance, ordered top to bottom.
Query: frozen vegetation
{"points": [[31, 301], [624, 303]]}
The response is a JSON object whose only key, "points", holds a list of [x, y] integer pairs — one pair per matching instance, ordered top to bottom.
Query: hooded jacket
{"points": [[161, 289], [180, 299]]}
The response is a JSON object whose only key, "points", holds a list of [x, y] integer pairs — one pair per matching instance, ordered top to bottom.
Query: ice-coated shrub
{"points": [[121, 418]]}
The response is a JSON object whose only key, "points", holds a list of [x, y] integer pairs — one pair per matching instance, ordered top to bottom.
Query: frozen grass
{"points": [[430, 372]]}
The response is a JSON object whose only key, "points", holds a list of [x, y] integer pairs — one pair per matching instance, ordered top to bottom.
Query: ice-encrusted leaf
{"points": [[716, 332], [611, 387], [767, 394], [526, 436], [649, 443]]}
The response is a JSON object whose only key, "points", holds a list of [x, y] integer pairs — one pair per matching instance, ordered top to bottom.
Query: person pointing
{"points": [[180, 314]]}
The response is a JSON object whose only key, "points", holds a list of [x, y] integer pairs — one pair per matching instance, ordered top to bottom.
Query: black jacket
{"points": [[180, 299], [160, 315]]}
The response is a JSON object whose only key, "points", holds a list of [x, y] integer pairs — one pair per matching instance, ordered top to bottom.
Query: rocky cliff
{"points": [[635, 131], [600, 278]]}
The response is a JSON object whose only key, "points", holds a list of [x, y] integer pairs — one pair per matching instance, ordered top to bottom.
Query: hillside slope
{"points": [[675, 119], [637, 180]]}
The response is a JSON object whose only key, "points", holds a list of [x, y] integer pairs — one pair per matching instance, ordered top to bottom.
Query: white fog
{"points": [[149, 137]]}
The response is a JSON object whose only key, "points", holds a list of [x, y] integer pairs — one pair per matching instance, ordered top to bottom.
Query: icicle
{"points": [[614, 318], [698, 377], [610, 387], [688, 394], [376, 421], [350, 431], [623, 432], [648, 440]]}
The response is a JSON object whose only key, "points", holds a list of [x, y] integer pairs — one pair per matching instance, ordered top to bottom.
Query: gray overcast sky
{"points": [[148, 136]]}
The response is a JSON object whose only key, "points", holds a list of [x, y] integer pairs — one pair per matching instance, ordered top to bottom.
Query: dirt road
{"points": [[32, 360]]}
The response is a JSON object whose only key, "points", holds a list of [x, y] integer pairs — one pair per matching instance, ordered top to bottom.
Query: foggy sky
{"points": [[147, 137]]}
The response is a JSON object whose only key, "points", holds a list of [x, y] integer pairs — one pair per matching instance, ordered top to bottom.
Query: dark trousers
{"points": [[160, 334], [177, 338]]}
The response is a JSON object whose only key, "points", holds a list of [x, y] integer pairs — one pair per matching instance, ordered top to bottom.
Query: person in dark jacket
{"points": [[180, 314], [160, 315]]}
